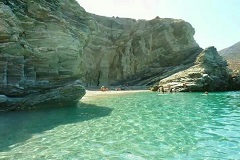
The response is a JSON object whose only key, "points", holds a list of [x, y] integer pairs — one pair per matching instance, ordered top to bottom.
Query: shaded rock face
{"points": [[41, 46], [137, 52], [209, 73], [234, 83]]}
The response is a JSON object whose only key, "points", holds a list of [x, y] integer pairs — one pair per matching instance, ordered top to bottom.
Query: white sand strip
{"points": [[94, 94]]}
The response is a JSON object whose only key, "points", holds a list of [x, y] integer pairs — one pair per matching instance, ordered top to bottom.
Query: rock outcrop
{"points": [[41, 47], [48, 48], [137, 52], [232, 55], [209, 73]]}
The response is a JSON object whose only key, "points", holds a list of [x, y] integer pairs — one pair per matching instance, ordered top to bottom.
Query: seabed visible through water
{"points": [[136, 126]]}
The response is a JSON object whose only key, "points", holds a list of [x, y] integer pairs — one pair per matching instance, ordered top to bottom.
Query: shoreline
{"points": [[97, 93]]}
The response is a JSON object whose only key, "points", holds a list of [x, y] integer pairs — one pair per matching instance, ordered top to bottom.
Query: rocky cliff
{"points": [[47, 48], [41, 50], [137, 52], [141, 52], [232, 55], [209, 73]]}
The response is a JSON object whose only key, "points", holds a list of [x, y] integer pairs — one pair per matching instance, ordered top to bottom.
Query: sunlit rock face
{"points": [[49, 47], [41, 50], [137, 52], [232, 55], [209, 73]]}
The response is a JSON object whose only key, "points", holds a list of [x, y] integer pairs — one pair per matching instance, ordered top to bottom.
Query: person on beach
{"points": [[103, 89]]}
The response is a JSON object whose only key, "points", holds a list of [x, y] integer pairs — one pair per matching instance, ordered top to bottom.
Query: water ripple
{"points": [[135, 126]]}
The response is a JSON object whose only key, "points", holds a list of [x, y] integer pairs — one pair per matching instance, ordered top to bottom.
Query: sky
{"points": [[216, 22]]}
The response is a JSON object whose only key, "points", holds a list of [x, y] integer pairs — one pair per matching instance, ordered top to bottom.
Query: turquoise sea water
{"points": [[135, 126]]}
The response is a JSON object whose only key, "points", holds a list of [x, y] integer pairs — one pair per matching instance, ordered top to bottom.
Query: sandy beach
{"points": [[97, 93]]}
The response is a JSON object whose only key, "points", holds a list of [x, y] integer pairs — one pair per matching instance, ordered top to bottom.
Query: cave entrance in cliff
{"points": [[98, 77]]}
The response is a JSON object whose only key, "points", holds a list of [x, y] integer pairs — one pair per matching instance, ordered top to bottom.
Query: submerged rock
{"points": [[41, 47]]}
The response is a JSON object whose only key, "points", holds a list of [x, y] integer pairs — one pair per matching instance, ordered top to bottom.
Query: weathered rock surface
{"points": [[41, 46], [48, 47], [137, 52], [232, 55], [209, 73]]}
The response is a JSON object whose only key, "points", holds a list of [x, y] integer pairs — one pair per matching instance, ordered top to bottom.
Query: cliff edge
{"points": [[50, 50], [137, 52]]}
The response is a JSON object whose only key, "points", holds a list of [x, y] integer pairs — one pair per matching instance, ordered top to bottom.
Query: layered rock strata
{"points": [[41, 46], [47, 48], [137, 52], [209, 73]]}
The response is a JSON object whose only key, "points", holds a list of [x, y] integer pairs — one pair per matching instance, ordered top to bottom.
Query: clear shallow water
{"points": [[133, 127]]}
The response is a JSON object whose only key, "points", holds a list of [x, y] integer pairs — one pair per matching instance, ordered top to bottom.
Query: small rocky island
{"points": [[50, 50]]}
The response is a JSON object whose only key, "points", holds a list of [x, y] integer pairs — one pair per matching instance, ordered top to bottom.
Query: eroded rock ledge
{"points": [[41, 46], [48, 48], [137, 52], [143, 53], [209, 73]]}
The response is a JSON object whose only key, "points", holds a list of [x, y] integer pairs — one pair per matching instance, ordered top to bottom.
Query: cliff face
{"points": [[41, 47], [48, 47], [137, 52], [232, 55], [209, 73]]}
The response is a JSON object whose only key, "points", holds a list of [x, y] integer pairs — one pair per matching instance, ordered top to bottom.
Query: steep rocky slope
{"points": [[41, 46], [47, 48], [232, 51], [137, 52], [232, 55], [209, 73]]}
